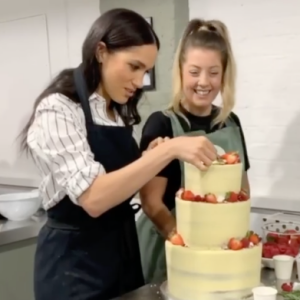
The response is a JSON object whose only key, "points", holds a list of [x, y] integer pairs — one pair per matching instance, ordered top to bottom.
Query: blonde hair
{"points": [[212, 35]]}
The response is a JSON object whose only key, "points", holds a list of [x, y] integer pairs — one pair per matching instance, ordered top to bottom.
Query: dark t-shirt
{"points": [[159, 125]]}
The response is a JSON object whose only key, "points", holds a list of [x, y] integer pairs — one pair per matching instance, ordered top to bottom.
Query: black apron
{"points": [[83, 258]]}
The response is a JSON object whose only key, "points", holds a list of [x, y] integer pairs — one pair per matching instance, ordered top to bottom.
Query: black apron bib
{"points": [[83, 258]]}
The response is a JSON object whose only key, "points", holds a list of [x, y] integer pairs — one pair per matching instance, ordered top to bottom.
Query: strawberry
{"points": [[231, 158], [187, 195], [232, 197], [198, 198], [211, 198], [290, 231], [293, 234], [254, 239], [177, 240], [283, 240], [245, 242], [294, 242], [235, 244], [271, 249], [267, 251], [274, 251], [289, 252], [287, 286]]}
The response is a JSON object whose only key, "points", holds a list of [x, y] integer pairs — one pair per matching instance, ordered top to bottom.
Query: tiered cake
{"points": [[213, 256]]}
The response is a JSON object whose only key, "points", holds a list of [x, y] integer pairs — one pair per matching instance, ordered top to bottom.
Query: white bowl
{"points": [[20, 206], [267, 262]]}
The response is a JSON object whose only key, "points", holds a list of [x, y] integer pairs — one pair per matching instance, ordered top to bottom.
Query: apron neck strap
{"points": [[82, 91], [176, 126], [177, 131]]}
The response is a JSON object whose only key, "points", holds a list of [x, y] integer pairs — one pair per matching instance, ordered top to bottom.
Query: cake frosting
{"points": [[213, 255]]}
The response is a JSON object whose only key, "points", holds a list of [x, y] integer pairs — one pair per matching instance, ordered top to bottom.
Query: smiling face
{"points": [[123, 71], [202, 74]]}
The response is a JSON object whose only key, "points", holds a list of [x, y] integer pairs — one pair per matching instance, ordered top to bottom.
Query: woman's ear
{"points": [[101, 52]]}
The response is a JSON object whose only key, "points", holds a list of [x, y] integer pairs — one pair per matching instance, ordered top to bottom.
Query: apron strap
{"points": [[82, 91], [230, 122], [176, 126], [177, 131]]}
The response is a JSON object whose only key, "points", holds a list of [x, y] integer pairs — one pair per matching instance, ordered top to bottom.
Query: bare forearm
{"points": [[245, 183], [113, 188], [162, 218]]}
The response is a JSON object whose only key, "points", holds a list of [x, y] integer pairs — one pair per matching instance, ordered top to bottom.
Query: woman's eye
{"points": [[134, 67]]}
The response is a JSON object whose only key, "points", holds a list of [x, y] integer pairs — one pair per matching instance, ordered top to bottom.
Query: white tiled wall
{"points": [[266, 40]]}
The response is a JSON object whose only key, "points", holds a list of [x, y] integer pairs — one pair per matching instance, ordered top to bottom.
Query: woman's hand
{"points": [[155, 143], [197, 150]]}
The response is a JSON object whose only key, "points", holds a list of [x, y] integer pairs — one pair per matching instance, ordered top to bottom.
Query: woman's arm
{"points": [[58, 137], [246, 184], [111, 189], [152, 203]]}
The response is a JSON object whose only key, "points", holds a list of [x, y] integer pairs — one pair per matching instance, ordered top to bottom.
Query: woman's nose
{"points": [[203, 80]]}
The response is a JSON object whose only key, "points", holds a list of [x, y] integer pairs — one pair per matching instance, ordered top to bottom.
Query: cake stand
{"points": [[165, 293]]}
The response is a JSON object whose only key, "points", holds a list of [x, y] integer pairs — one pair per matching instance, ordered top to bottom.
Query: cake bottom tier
{"points": [[212, 274]]}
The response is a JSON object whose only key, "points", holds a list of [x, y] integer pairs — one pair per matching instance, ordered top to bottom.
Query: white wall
{"points": [[266, 38], [38, 39]]}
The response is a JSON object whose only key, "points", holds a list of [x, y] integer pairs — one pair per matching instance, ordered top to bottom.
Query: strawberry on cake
{"points": [[213, 255]]}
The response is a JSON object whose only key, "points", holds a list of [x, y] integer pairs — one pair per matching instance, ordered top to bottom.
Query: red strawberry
{"points": [[231, 158], [187, 195], [232, 197], [198, 198], [211, 198], [290, 231], [293, 234], [254, 239], [177, 240], [283, 240], [245, 242], [294, 242], [235, 244], [267, 251], [274, 251], [289, 251], [287, 287]]}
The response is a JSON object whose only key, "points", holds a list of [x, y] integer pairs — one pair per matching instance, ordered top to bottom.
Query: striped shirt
{"points": [[58, 141]]}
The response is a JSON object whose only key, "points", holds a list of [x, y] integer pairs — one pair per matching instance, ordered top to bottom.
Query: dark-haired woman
{"points": [[80, 135]]}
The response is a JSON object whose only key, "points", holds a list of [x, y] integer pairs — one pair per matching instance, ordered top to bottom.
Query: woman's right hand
{"points": [[196, 150]]}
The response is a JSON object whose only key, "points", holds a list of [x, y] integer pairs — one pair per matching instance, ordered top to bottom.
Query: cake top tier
{"points": [[222, 177]]}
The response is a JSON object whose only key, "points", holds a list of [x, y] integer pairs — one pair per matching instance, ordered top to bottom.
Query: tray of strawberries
{"points": [[280, 238]]}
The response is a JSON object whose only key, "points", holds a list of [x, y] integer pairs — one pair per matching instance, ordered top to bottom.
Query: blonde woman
{"points": [[204, 67]]}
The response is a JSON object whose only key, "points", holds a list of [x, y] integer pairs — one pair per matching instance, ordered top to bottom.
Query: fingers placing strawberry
{"points": [[177, 240], [235, 244]]}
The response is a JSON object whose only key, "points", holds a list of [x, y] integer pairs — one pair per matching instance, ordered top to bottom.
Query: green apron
{"points": [[152, 244]]}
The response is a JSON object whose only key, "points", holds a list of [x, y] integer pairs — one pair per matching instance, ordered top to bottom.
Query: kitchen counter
{"points": [[11, 231], [153, 291]]}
